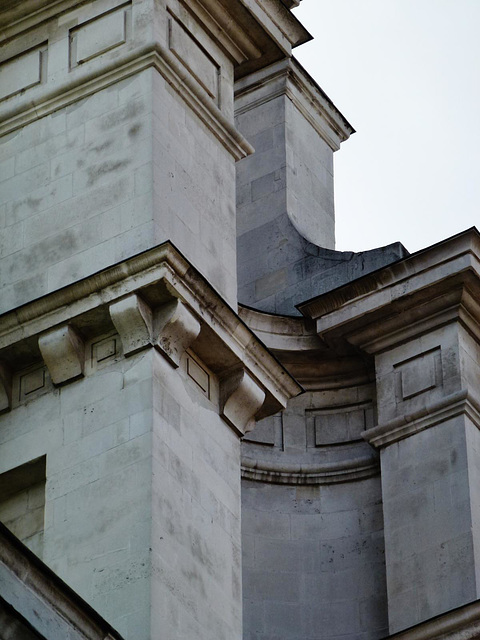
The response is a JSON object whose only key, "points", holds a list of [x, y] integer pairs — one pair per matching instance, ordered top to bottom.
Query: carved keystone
{"points": [[133, 321], [176, 328], [63, 352], [5, 388], [241, 399]]}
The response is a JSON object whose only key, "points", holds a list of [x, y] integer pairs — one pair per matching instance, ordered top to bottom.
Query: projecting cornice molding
{"points": [[288, 78], [48, 100], [430, 288], [154, 300], [455, 404], [28, 587], [462, 623]]}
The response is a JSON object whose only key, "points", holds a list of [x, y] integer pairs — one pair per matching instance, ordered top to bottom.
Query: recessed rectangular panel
{"points": [[98, 36], [194, 58], [20, 73], [104, 350], [199, 375], [418, 375], [32, 381], [346, 425], [264, 431]]}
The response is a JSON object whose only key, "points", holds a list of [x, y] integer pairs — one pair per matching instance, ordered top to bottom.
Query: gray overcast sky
{"points": [[406, 74]]}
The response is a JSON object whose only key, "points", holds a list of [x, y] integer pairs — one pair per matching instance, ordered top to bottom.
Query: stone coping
{"points": [[41, 599]]}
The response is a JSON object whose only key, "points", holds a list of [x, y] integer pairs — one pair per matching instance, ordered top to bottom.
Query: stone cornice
{"points": [[277, 19], [252, 32], [151, 56], [288, 77], [159, 277], [430, 288], [280, 332], [294, 342], [455, 404]]}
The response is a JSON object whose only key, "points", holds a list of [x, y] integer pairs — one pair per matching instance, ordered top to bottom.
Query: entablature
{"points": [[157, 300]]}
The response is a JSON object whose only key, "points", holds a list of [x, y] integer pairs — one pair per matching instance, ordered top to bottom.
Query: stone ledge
{"points": [[150, 56], [289, 78], [428, 289], [456, 404], [300, 474]]}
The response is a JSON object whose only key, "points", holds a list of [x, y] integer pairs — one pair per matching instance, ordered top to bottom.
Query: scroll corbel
{"points": [[132, 319], [175, 330], [63, 352], [241, 399]]}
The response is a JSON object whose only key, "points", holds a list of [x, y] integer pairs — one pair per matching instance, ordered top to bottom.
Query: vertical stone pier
{"points": [[285, 190], [420, 319]]}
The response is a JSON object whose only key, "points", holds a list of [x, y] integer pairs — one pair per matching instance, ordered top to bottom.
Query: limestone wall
{"points": [[142, 493], [312, 513], [313, 561]]}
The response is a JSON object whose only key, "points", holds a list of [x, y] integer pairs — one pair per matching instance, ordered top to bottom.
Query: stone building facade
{"points": [[213, 425]]}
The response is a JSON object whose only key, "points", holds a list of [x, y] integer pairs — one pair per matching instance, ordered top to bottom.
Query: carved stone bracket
{"points": [[133, 321], [172, 328], [175, 329], [63, 351], [5, 388], [241, 398]]}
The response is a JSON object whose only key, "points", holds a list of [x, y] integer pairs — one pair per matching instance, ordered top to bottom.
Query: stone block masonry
{"points": [[142, 483]]}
